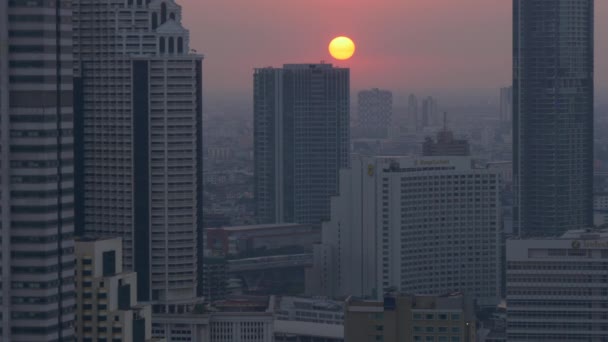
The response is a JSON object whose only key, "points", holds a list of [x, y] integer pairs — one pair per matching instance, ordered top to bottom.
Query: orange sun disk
{"points": [[342, 48]]}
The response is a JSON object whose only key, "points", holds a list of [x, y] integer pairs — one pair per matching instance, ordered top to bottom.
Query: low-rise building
{"points": [[106, 297], [448, 318]]}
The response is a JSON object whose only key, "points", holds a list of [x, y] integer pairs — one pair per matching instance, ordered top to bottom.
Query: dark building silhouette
{"points": [[553, 115], [301, 140], [445, 144]]}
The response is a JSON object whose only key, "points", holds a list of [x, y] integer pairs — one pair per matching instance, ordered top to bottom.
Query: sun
{"points": [[342, 48]]}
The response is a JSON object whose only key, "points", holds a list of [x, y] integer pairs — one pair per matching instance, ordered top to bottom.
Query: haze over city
{"points": [[458, 50]]}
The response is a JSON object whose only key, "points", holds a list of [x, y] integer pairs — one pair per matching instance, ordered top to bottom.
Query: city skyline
{"points": [[390, 52]]}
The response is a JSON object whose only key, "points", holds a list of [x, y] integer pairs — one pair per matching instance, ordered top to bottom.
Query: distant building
{"points": [[506, 104], [553, 105], [375, 111], [412, 112], [430, 112], [301, 138], [445, 145], [428, 225], [244, 241], [215, 278], [556, 287], [106, 297], [309, 309], [242, 318], [448, 318]]}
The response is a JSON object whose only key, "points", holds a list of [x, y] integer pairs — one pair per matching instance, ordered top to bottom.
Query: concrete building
{"points": [[553, 99], [506, 104], [375, 112], [139, 132], [301, 138], [36, 172], [428, 225], [244, 241], [556, 287], [107, 307], [448, 318], [238, 319]]}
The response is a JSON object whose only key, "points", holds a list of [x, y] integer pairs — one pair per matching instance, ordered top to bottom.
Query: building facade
{"points": [[553, 95], [506, 104], [375, 112], [139, 132], [301, 140], [445, 145], [36, 172], [428, 225], [556, 287], [107, 307], [448, 318]]}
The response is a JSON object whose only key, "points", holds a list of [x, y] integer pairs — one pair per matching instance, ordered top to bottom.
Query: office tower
{"points": [[506, 104], [375, 112], [412, 112], [430, 112], [553, 115], [139, 122], [301, 140], [36, 142], [445, 144], [427, 225], [556, 287], [107, 307], [446, 318]]}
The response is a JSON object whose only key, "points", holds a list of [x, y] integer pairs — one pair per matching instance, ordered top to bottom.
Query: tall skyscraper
{"points": [[506, 104], [375, 111], [412, 112], [553, 115], [139, 129], [301, 138], [37, 178], [427, 225]]}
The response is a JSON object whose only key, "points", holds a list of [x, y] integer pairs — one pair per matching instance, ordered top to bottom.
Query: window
{"points": [[417, 316], [430, 316], [443, 317], [455, 317]]}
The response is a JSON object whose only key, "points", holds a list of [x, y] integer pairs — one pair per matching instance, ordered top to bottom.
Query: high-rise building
{"points": [[553, 48], [506, 104], [375, 112], [412, 112], [430, 112], [139, 133], [301, 138], [37, 176], [428, 225], [556, 287], [107, 307], [445, 318]]}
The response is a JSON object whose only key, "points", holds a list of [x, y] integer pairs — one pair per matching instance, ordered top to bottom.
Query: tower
{"points": [[553, 115], [301, 140]]}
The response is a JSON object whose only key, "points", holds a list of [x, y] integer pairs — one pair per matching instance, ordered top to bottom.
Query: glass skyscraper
{"points": [[553, 115], [301, 138]]}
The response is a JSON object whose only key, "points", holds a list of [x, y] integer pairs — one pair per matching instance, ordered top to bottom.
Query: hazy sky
{"points": [[450, 47]]}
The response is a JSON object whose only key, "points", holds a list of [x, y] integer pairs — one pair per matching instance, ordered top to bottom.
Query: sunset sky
{"points": [[443, 46]]}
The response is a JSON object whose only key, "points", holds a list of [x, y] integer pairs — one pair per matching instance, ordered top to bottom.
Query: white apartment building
{"points": [[139, 129], [427, 225], [557, 288], [107, 307]]}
